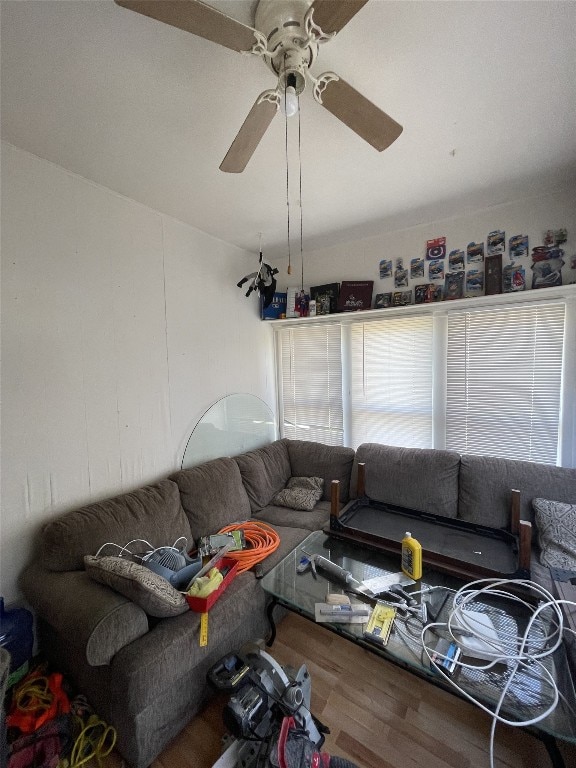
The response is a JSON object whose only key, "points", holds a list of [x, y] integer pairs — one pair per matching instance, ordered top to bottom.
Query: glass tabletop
{"points": [[528, 692]]}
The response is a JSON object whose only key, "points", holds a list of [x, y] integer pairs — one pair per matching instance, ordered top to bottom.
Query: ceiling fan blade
{"points": [[332, 15], [198, 18], [358, 113], [250, 134]]}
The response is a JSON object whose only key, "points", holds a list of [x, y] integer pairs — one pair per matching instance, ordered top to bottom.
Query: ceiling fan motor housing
{"points": [[291, 50]]}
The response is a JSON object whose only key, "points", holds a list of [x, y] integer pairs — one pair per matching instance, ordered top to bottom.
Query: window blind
{"points": [[504, 375], [391, 381], [311, 383]]}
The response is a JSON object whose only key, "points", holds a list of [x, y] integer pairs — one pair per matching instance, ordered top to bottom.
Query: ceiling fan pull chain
{"points": [[300, 193], [289, 270]]}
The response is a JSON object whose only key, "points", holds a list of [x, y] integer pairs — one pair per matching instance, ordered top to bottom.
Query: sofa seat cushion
{"points": [[330, 462], [265, 473], [422, 479], [486, 482], [302, 493], [212, 496], [153, 513], [312, 520], [556, 526], [153, 593]]}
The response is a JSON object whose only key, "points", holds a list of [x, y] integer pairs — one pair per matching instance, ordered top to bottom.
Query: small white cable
{"points": [[124, 548], [146, 555]]}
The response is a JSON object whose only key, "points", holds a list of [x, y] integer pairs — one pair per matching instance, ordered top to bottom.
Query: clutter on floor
{"points": [[268, 717], [48, 726]]}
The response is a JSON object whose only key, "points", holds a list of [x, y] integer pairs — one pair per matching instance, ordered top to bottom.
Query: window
{"points": [[391, 375], [504, 375], [495, 379], [311, 383]]}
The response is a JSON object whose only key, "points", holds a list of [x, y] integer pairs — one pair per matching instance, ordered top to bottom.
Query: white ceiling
{"points": [[485, 91]]}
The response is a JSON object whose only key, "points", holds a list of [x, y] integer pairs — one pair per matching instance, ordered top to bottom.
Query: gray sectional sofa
{"points": [[146, 676]]}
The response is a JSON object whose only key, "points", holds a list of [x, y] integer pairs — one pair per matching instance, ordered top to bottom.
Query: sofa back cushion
{"points": [[330, 462], [264, 472], [422, 479], [486, 482], [212, 496], [153, 513]]}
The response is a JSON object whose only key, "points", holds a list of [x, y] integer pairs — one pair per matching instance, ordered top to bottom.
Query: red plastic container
{"points": [[203, 604]]}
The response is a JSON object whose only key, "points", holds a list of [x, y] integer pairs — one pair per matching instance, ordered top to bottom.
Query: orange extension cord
{"points": [[262, 540]]}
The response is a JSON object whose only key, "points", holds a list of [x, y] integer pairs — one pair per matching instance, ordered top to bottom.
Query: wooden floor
{"points": [[380, 716]]}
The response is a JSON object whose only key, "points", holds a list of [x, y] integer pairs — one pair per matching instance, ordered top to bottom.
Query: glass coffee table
{"points": [[528, 693]]}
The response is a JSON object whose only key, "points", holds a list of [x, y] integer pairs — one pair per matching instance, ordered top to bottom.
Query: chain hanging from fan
{"points": [[287, 35], [263, 281]]}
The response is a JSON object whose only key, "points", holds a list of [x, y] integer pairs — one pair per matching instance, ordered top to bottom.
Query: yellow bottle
{"points": [[411, 557]]}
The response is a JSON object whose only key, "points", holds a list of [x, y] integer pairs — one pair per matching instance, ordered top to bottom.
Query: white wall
{"points": [[360, 260], [120, 327]]}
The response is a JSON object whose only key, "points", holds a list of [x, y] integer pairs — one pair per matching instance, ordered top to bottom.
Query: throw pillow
{"points": [[301, 493], [556, 523], [153, 593]]}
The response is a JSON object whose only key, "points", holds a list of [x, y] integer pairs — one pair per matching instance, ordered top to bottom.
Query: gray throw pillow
{"points": [[300, 493], [556, 523], [153, 593]]}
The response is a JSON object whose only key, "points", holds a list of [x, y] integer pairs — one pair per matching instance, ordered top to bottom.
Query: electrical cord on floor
{"points": [[262, 540], [515, 652], [33, 695], [95, 741]]}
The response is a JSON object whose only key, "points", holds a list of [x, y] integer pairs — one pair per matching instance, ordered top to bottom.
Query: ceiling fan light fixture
{"points": [[289, 102]]}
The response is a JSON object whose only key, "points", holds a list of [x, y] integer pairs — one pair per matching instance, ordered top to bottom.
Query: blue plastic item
{"points": [[178, 571], [17, 637]]}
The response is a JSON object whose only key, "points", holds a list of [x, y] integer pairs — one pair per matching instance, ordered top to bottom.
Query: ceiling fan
{"points": [[287, 35]]}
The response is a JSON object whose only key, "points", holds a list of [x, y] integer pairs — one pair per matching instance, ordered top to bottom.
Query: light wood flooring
{"points": [[380, 716]]}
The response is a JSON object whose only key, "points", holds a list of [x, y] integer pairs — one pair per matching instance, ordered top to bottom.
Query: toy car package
{"points": [[496, 242], [518, 247], [475, 252], [456, 260], [385, 268], [416, 268], [436, 270], [400, 275], [513, 278], [474, 282], [454, 285]]}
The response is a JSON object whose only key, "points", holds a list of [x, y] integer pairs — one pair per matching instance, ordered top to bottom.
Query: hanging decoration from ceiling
{"points": [[262, 281]]}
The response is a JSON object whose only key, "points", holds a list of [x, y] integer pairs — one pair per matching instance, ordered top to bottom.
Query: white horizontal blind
{"points": [[504, 377], [311, 383], [391, 388]]}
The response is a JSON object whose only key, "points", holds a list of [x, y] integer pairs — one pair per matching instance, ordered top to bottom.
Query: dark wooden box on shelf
{"points": [[448, 545]]}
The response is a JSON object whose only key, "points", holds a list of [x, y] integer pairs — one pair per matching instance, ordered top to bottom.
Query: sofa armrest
{"points": [[97, 620]]}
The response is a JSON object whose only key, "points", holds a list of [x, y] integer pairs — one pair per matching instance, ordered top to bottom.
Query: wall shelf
{"points": [[441, 307]]}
